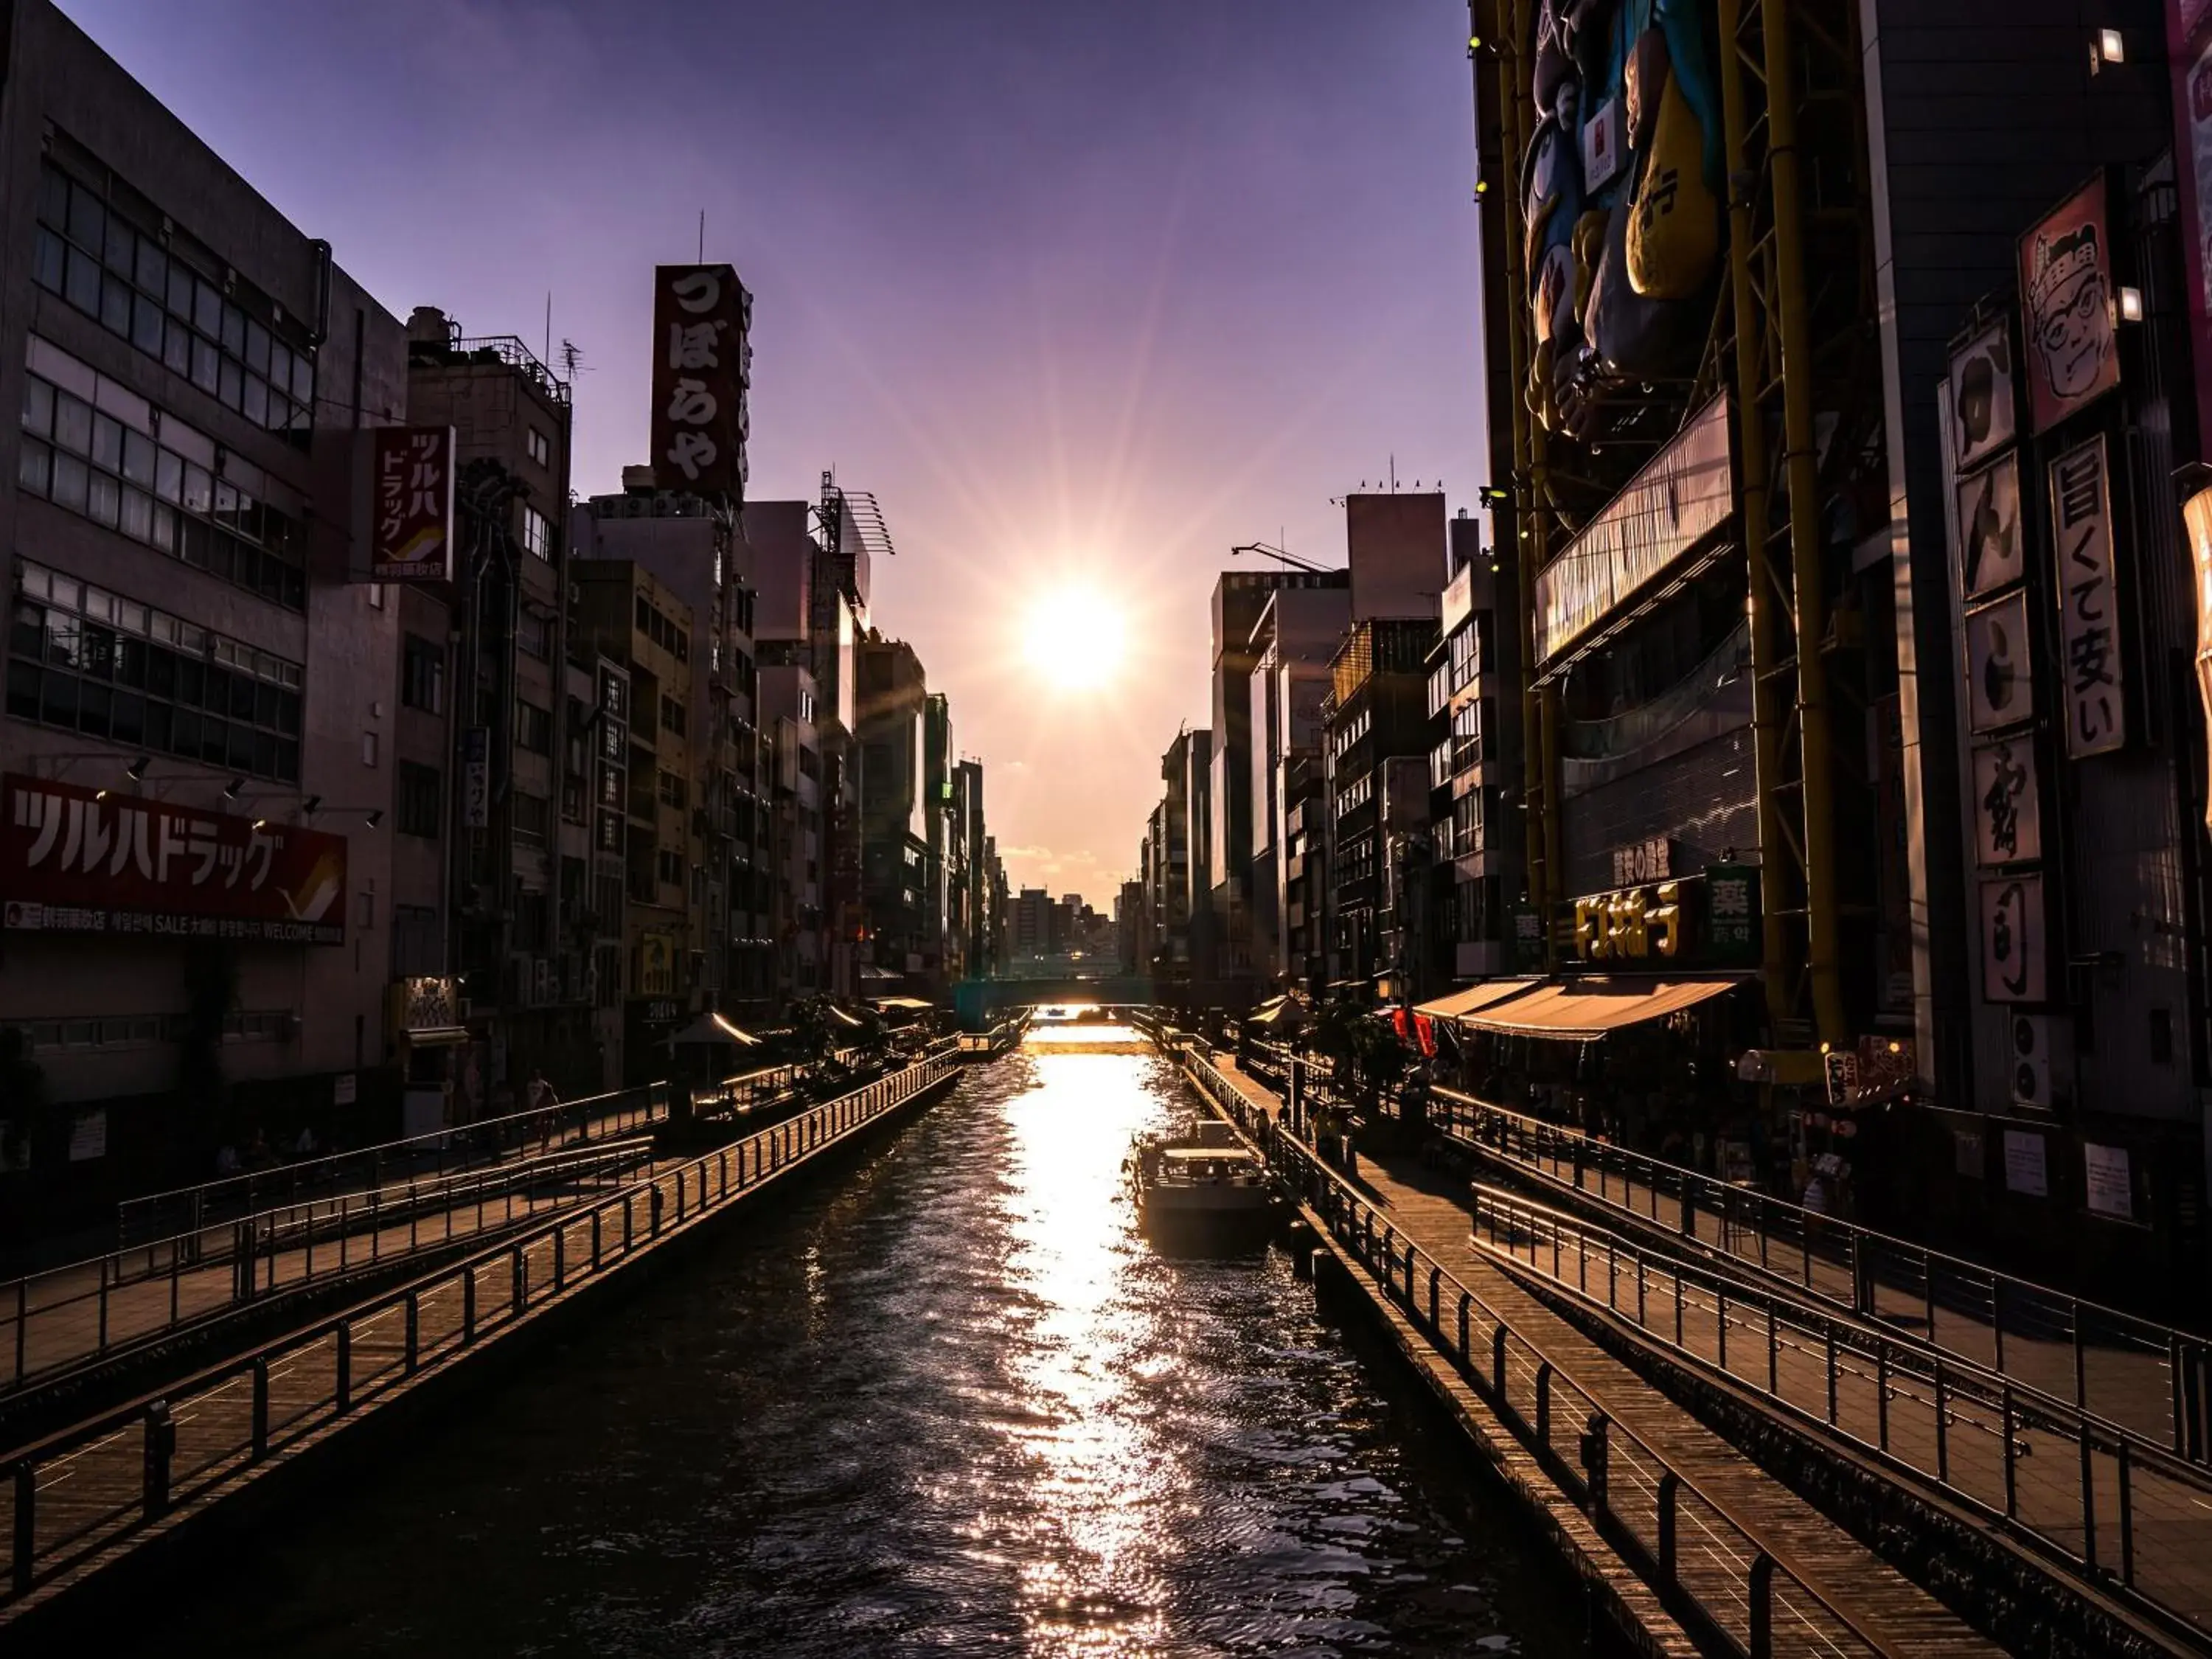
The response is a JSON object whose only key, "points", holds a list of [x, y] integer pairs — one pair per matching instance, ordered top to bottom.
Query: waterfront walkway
{"points": [[1429, 1209]]}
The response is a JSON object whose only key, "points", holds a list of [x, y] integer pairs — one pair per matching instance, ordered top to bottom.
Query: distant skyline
{"points": [[1085, 292]]}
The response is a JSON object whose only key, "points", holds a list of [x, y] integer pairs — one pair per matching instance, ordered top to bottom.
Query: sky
{"points": [[1086, 292]]}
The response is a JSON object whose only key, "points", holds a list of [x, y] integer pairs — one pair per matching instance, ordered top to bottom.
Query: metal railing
{"points": [[457, 1147], [55, 1322], [2148, 1378], [87, 1489], [2114, 1509], [1742, 1586]]}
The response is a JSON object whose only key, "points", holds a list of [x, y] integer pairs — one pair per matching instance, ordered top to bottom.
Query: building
{"points": [[1291, 641], [1374, 716], [897, 872], [200, 877], [1033, 925], [1185, 957]]}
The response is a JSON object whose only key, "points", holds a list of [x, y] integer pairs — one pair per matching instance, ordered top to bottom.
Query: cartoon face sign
{"points": [[2066, 288]]}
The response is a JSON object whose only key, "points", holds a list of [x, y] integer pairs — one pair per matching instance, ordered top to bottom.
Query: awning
{"points": [[871, 972], [1487, 995], [911, 1004], [1584, 1010], [1275, 1011], [853, 1020], [714, 1028], [436, 1036]]}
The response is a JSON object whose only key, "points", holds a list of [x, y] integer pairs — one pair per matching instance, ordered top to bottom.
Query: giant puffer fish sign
{"points": [[1621, 200]]}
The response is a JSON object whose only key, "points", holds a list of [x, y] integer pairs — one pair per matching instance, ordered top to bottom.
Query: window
{"points": [[141, 287], [541, 448], [107, 464], [537, 532], [376, 596], [534, 634], [85, 659], [423, 675], [614, 696], [671, 715], [534, 728], [368, 749], [673, 791], [420, 805], [532, 817], [671, 868], [416, 949]]}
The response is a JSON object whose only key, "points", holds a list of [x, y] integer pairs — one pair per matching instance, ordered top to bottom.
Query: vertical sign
{"points": [[2188, 51], [2066, 288], [701, 369], [1983, 410], [405, 508], [2196, 518], [1991, 552], [2088, 613], [2000, 684], [476, 778], [2007, 802], [1732, 929], [2015, 945]]}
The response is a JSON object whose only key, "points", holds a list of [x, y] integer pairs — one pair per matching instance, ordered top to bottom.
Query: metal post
{"points": [[595, 1241], [560, 1259], [519, 1296], [1464, 1300], [468, 1305], [1720, 1323], [414, 1333], [1830, 1348], [1773, 1350], [2080, 1361], [1497, 1362], [342, 1391], [1881, 1395], [1544, 1403], [260, 1408], [1943, 1428], [1594, 1458], [2011, 1460], [1670, 1485], [2088, 1503], [27, 1511], [2127, 1519], [1762, 1607]]}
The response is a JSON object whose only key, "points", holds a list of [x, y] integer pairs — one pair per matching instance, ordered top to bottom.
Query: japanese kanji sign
{"points": [[2066, 293], [701, 369], [1983, 412], [410, 504], [2196, 518], [1990, 550], [2088, 609], [2000, 684], [2007, 802], [72, 863], [1732, 917], [2015, 949]]}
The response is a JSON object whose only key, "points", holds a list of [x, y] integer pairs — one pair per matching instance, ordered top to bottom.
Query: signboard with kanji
{"points": [[2066, 293], [701, 368], [409, 503], [2088, 606], [2007, 802], [72, 863], [1732, 921], [2015, 945]]}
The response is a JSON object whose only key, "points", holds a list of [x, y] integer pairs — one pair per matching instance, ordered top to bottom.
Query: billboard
{"points": [[2189, 50], [2069, 321], [701, 368], [405, 512], [2088, 607], [73, 863]]}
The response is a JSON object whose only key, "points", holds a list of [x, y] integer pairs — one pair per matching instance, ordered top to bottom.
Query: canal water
{"points": [[944, 1402]]}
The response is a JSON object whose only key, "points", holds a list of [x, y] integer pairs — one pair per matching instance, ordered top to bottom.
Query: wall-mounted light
{"points": [[2111, 47], [2131, 306], [137, 769], [233, 789], [102, 795], [312, 804], [375, 816], [261, 824]]}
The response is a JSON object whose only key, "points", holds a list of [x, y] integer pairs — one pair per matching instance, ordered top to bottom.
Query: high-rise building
{"points": [[890, 720]]}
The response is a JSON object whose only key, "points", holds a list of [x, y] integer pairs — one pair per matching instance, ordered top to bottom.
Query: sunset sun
{"points": [[1074, 638]]}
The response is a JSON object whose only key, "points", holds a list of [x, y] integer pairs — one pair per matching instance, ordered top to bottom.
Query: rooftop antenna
{"points": [[703, 236], [549, 322], [1394, 473]]}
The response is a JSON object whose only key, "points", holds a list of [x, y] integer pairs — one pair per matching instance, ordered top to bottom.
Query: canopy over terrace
{"points": [[1461, 1004], [1585, 1010]]}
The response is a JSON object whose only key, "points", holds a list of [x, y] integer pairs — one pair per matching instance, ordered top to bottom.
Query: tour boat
{"points": [[1199, 1188]]}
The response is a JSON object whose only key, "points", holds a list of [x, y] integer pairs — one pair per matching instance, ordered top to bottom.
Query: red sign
{"points": [[2068, 319], [701, 368], [410, 504], [72, 863]]}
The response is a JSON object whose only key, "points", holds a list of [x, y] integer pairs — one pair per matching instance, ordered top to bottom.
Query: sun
{"points": [[1074, 638]]}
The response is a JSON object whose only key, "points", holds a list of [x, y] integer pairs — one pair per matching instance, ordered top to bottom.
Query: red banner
{"points": [[410, 509], [72, 863], [1424, 1027]]}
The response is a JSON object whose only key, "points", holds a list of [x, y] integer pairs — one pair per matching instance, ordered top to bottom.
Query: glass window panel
{"points": [[53, 197], [88, 217], [121, 251], [50, 261], [152, 268], [82, 284], [180, 290], [115, 297], [206, 310], [146, 325], [233, 331], [177, 346], [256, 347], [207, 362], [280, 365], [303, 379], [232, 390], [38, 406], [255, 407], [72, 423], [107, 442], [34, 467], [169, 476], [71, 481], [199, 489], [226, 502], [105, 505], [138, 514], [163, 534], [193, 542], [219, 560], [272, 578], [296, 587], [68, 593], [99, 604], [129, 617], [26, 634], [62, 639], [191, 640], [96, 652], [131, 660], [161, 672], [192, 681], [23, 689], [214, 690], [241, 698], [58, 699], [94, 703], [264, 704], [288, 714], [159, 721], [128, 723], [185, 731], [215, 742], [241, 747], [264, 754], [288, 762]]}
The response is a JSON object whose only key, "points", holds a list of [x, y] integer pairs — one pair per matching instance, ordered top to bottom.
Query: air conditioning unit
{"points": [[2042, 1061]]}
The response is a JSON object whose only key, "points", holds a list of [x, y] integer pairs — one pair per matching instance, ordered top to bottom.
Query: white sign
{"points": [[1605, 145], [1984, 416], [1992, 553], [2088, 603], [2000, 685], [2007, 802], [1645, 862], [2014, 945], [345, 1088], [87, 1137], [2024, 1165], [2109, 1190]]}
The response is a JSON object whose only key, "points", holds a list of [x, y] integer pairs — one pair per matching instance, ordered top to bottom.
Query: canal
{"points": [[944, 1402]]}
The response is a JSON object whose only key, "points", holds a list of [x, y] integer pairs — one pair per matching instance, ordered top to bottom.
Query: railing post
{"points": [[679, 1194], [656, 1201], [595, 1241], [560, 1258], [1435, 1284], [518, 1297], [1464, 1301], [468, 1305], [1497, 1362], [1773, 1375], [342, 1388], [1882, 1395], [1544, 1403], [260, 1408], [1594, 1450], [2011, 1456], [1670, 1486], [2088, 1502], [26, 1514], [2127, 1518], [1761, 1590]]}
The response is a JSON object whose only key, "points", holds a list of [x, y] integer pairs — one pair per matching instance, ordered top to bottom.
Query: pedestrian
{"points": [[538, 1094]]}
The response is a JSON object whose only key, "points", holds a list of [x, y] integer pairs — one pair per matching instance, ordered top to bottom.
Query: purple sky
{"points": [[1085, 291]]}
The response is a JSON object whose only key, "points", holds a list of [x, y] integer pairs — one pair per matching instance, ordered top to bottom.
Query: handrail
{"points": [[1352, 1220], [1936, 1282], [86, 1296], [180, 1453], [2114, 1465]]}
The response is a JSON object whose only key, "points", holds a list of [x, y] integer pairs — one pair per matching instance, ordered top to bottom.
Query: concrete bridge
{"points": [[980, 1001]]}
